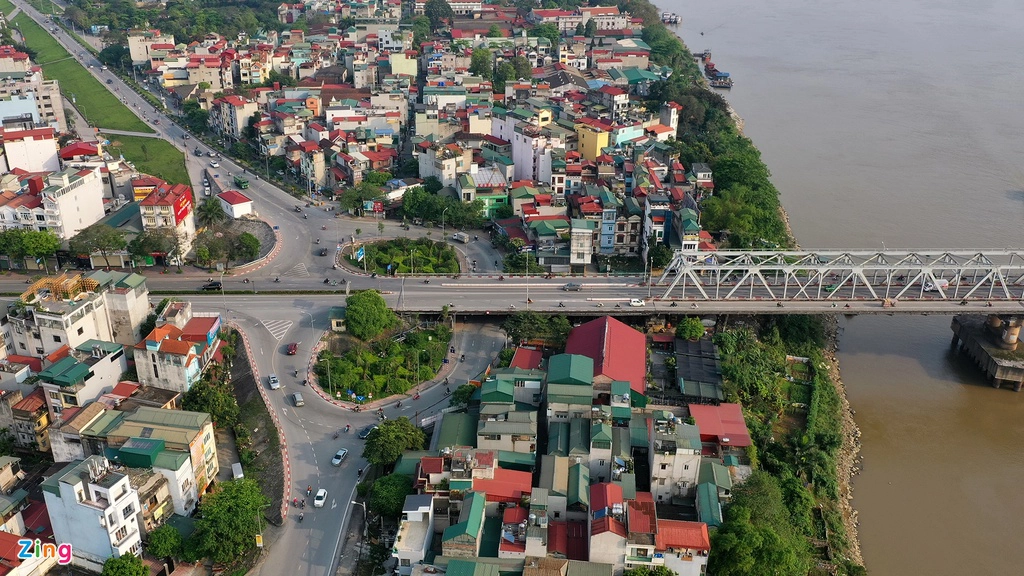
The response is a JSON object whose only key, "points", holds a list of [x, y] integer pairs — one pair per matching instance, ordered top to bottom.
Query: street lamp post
{"points": [[443, 237], [224, 298], [310, 319], [366, 522]]}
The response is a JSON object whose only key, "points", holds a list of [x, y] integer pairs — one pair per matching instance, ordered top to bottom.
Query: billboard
{"points": [[182, 206]]}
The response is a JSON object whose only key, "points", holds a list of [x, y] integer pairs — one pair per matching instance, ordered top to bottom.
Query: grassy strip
{"points": [[6, 7], [99, 106], [152, 156]]}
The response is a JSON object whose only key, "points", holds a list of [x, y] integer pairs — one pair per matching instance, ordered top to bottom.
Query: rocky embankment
{"points": [[848, 459]]}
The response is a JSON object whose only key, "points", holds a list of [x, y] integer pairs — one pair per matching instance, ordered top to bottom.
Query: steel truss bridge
{"points": [[839, 276]]}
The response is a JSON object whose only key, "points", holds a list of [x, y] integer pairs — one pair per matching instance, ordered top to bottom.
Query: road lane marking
{"points": [[277, 328]]}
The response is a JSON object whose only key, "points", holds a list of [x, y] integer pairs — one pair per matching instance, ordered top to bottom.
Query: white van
{"points": [[939, 284], [297, 400], [236, 471]]}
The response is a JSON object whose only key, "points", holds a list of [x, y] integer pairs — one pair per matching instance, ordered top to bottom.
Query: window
{"points": [[81, 331], [56, 338], [40, 351], [55, 396], [69, 400], [600, 462], [664, 466], [686, 466], [661, 481], [128, 511], [111, 519], [121, 533], [405, 562]]}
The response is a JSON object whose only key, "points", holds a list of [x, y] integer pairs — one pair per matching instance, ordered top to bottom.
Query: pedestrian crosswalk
{"points": [[297, 271], [277, 328]]}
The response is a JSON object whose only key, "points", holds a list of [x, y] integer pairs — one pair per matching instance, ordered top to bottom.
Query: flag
{"points": [[360, 254]]}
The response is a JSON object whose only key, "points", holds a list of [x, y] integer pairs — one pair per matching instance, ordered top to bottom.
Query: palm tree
{"points": [[210, 213]]}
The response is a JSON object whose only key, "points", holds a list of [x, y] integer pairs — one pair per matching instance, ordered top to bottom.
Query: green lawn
{"points": [[6, 7], [99, 106], [152, 156]]}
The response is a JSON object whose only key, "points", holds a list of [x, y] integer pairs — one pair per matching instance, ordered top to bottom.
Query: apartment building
{"points": [[140, 44], [230, 115], [32, 150], [169, 208], [91, 370], [31, 420], [93, 507]]}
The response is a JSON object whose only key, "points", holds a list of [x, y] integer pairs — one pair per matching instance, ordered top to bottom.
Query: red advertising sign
{"points": [[378, 206], [182, 207]]}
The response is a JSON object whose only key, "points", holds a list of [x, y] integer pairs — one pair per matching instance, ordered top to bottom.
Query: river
{"points": [[898, 123]]}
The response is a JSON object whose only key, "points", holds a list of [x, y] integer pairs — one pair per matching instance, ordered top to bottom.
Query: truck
{"points": [[241, 182], [461, 237], [939, 284]]}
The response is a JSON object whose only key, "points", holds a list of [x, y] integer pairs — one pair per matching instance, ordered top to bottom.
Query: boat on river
{"points": [[670, 18]]}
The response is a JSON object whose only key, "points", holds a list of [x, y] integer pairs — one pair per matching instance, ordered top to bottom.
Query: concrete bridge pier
{"points": [[992, 343]]}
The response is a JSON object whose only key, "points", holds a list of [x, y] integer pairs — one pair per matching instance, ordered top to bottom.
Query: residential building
{"points": [[140, 44], [230, 115], [32, 149], [444, 162], [63, 202], [168, 209], [582, 241], [70, 310], [619, 352], [173, 358], [91, 370], [569, 389], [31, 420], [512, 430], [183, 433], [66, 437], [157, 474], [95, 509], [606, 522], [415, 533], [463, 539], [684, 546], [15, 565]]}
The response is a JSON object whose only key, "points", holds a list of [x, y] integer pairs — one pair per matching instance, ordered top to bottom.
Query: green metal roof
{"points": [[336, 313], [108, 347], [570, 369], [56, 372], [620, 388], [497, 391], [570, 394], [621, 412], [458, 430], [600, 432], [579, 436], [638, 436], [688, 436], [558, 438], [620, 444], [140, 452], [171, 459], [517, 460], [714, 473], [628, 482], [579, 485], [8, 503], [709, 509], [470, 520], [489, 541], [461, 567], [582, 568]]}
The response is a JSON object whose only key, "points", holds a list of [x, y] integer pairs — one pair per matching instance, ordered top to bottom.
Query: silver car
{"points": [[273, 381]]}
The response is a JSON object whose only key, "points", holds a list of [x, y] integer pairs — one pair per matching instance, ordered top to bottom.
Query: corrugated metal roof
{"points": [[570, 369], [458, 430], [579, 486]]}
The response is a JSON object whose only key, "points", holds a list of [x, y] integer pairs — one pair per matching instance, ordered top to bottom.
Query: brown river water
{"points": [[899, 123]]}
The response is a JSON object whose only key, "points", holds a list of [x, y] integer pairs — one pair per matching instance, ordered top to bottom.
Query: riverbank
{"points": [[847, 455], [848, 458]]}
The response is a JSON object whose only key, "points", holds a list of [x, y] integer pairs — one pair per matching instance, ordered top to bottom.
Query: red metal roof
{"points": [[234, 197], [526, 358], [627, 360], [36, 364], [124, 389], [34, 401], [722, 424], [431, 465], [506, 486], [604, 495], [515, 515], [643, 519], [607, 524], [680, 534]]}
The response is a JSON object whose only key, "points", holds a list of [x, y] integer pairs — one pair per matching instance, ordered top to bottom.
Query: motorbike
{"points": [[305, 216], [324, 227], [317, 240], [374, 275], [501, 277], [278, 279], [327, 280], [426, 281], [600, 304], [779, 304], [561, 305], [673, 305], [462, 358], [445, 380], [304, 382], [447, 392], [416, 397], [399, 405], [347, 428], [336, 434], [359, 472], [309, 490], [295, 502], [301, 515]]}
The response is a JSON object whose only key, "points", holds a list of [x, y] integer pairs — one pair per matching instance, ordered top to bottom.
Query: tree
{"points": [[438, 11], [590, 28], [581, 29], [420, 30], [547, 30], [495, 32], [115, 55], [480, 63], [522, 67], [504, 73], [195, 117], [377, 177], [432, 185], [355, 197], [210, 213], [380, 228], [98, 238], [12, 243], [40, 244], [247, 247], [658, 253], [368, 315], [690, 328], [461, 396], [213, 398], [386, 442], [387, 497], [230, 517], [164, 541], [127, 565]]}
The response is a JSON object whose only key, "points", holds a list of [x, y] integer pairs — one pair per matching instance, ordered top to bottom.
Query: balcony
{"points": [[656, 560]]}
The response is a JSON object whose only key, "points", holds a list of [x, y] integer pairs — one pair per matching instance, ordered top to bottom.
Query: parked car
{"points": [[212, 286], [637, 302], [293, 348], [274, 381], [366, 431], [339, 457], [320, 499]]}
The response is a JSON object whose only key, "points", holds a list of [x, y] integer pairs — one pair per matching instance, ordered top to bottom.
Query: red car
{"points": [[293, 348]]}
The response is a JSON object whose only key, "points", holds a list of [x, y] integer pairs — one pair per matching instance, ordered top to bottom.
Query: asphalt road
{"points": [[270, 323]]}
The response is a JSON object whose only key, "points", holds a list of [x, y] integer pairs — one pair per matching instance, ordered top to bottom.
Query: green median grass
{"points": [[6, 7], [99, 106], [151, 156]]}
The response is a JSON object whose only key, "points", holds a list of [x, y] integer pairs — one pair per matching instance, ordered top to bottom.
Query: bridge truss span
{"points": [[838, 275]]}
